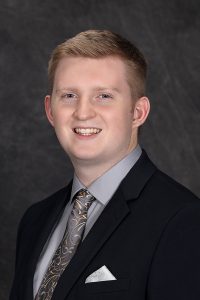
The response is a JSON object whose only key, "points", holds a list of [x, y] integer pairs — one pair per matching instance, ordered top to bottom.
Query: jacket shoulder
{"points": [[169, 188], [47, 204]]}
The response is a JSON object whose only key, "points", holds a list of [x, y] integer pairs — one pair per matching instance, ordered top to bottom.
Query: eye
{"points": [[105, 96], [68, 97]]}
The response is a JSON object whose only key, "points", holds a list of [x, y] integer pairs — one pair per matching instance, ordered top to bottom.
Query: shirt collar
{"points": [[106, 185]]}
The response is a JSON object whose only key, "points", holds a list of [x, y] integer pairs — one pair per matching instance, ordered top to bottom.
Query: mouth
{"points": [[87, 131]]}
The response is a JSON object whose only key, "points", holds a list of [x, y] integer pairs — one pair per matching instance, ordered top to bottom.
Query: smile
{"points": [[87, 131]]}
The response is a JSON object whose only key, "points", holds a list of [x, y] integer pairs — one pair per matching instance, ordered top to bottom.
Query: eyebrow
{"points": [[97, 88], [101, 88], [66, 89]]}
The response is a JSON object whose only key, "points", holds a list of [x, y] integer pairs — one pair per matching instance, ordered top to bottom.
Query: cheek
{"points": [[60, 117], [122, 120], [120, 128]]}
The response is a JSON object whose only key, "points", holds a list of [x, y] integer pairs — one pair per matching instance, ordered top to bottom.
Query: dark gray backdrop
{"points": [[32, 163]]}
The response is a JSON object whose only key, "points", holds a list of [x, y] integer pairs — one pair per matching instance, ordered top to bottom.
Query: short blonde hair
{"points": [[98, 44]]}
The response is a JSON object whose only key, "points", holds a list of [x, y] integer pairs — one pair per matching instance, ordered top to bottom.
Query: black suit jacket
{"points": [[148, 236]]}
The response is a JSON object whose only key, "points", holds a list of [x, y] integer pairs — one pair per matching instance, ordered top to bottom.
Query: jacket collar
{"points": [[138, 176]]}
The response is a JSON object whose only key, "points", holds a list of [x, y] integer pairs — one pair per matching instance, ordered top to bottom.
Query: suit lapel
{"points": [[114, 213], [42, 230]]}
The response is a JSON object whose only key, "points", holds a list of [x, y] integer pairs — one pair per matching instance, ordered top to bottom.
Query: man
{"points": [[122, 229]]}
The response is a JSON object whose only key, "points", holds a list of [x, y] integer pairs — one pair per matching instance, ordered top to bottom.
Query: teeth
{"points": [[87, 131]]}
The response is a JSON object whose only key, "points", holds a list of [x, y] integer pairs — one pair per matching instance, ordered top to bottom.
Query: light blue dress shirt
{"points": [[103, 188]]}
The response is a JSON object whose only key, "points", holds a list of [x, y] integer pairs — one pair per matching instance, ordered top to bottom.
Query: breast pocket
{"points": [[102, 290]]}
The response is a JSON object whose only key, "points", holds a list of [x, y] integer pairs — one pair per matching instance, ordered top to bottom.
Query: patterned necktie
{"points": [[68, 246]]}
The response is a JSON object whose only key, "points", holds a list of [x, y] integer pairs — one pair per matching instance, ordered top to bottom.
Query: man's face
{"points": [[92, 110]]}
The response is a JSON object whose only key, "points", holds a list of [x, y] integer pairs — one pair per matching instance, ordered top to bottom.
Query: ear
{"points": [[48, 109], [141, 111]]}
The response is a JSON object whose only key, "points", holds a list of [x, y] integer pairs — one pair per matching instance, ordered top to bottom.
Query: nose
{"points": [[84, 110]]}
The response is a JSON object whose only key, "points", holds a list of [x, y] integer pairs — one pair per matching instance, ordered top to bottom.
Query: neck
{"points": [[88, 172]]}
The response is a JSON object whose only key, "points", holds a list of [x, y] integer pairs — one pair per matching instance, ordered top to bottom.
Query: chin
{"points": [[81, 157]]}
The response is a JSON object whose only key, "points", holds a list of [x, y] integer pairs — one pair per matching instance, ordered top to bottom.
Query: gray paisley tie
{"points": [[68, 246]]}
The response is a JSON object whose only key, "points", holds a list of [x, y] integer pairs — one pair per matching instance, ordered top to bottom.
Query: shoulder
{"points": [[148, 184], [168, 189], [157, 196], [166, 199], [180, 201], [46, 205]]}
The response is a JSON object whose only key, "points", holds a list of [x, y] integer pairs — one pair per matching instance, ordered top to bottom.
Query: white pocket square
{"points": [[102, 274]]}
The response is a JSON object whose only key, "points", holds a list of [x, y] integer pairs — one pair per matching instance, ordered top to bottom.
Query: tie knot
{"points": [[83, 193], [83, 200]]}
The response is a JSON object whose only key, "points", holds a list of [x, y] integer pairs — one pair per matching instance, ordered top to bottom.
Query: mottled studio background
{"points": [[32, 165]]}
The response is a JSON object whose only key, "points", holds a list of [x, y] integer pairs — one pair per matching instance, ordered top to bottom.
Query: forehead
{"points": [[109, 69]]}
